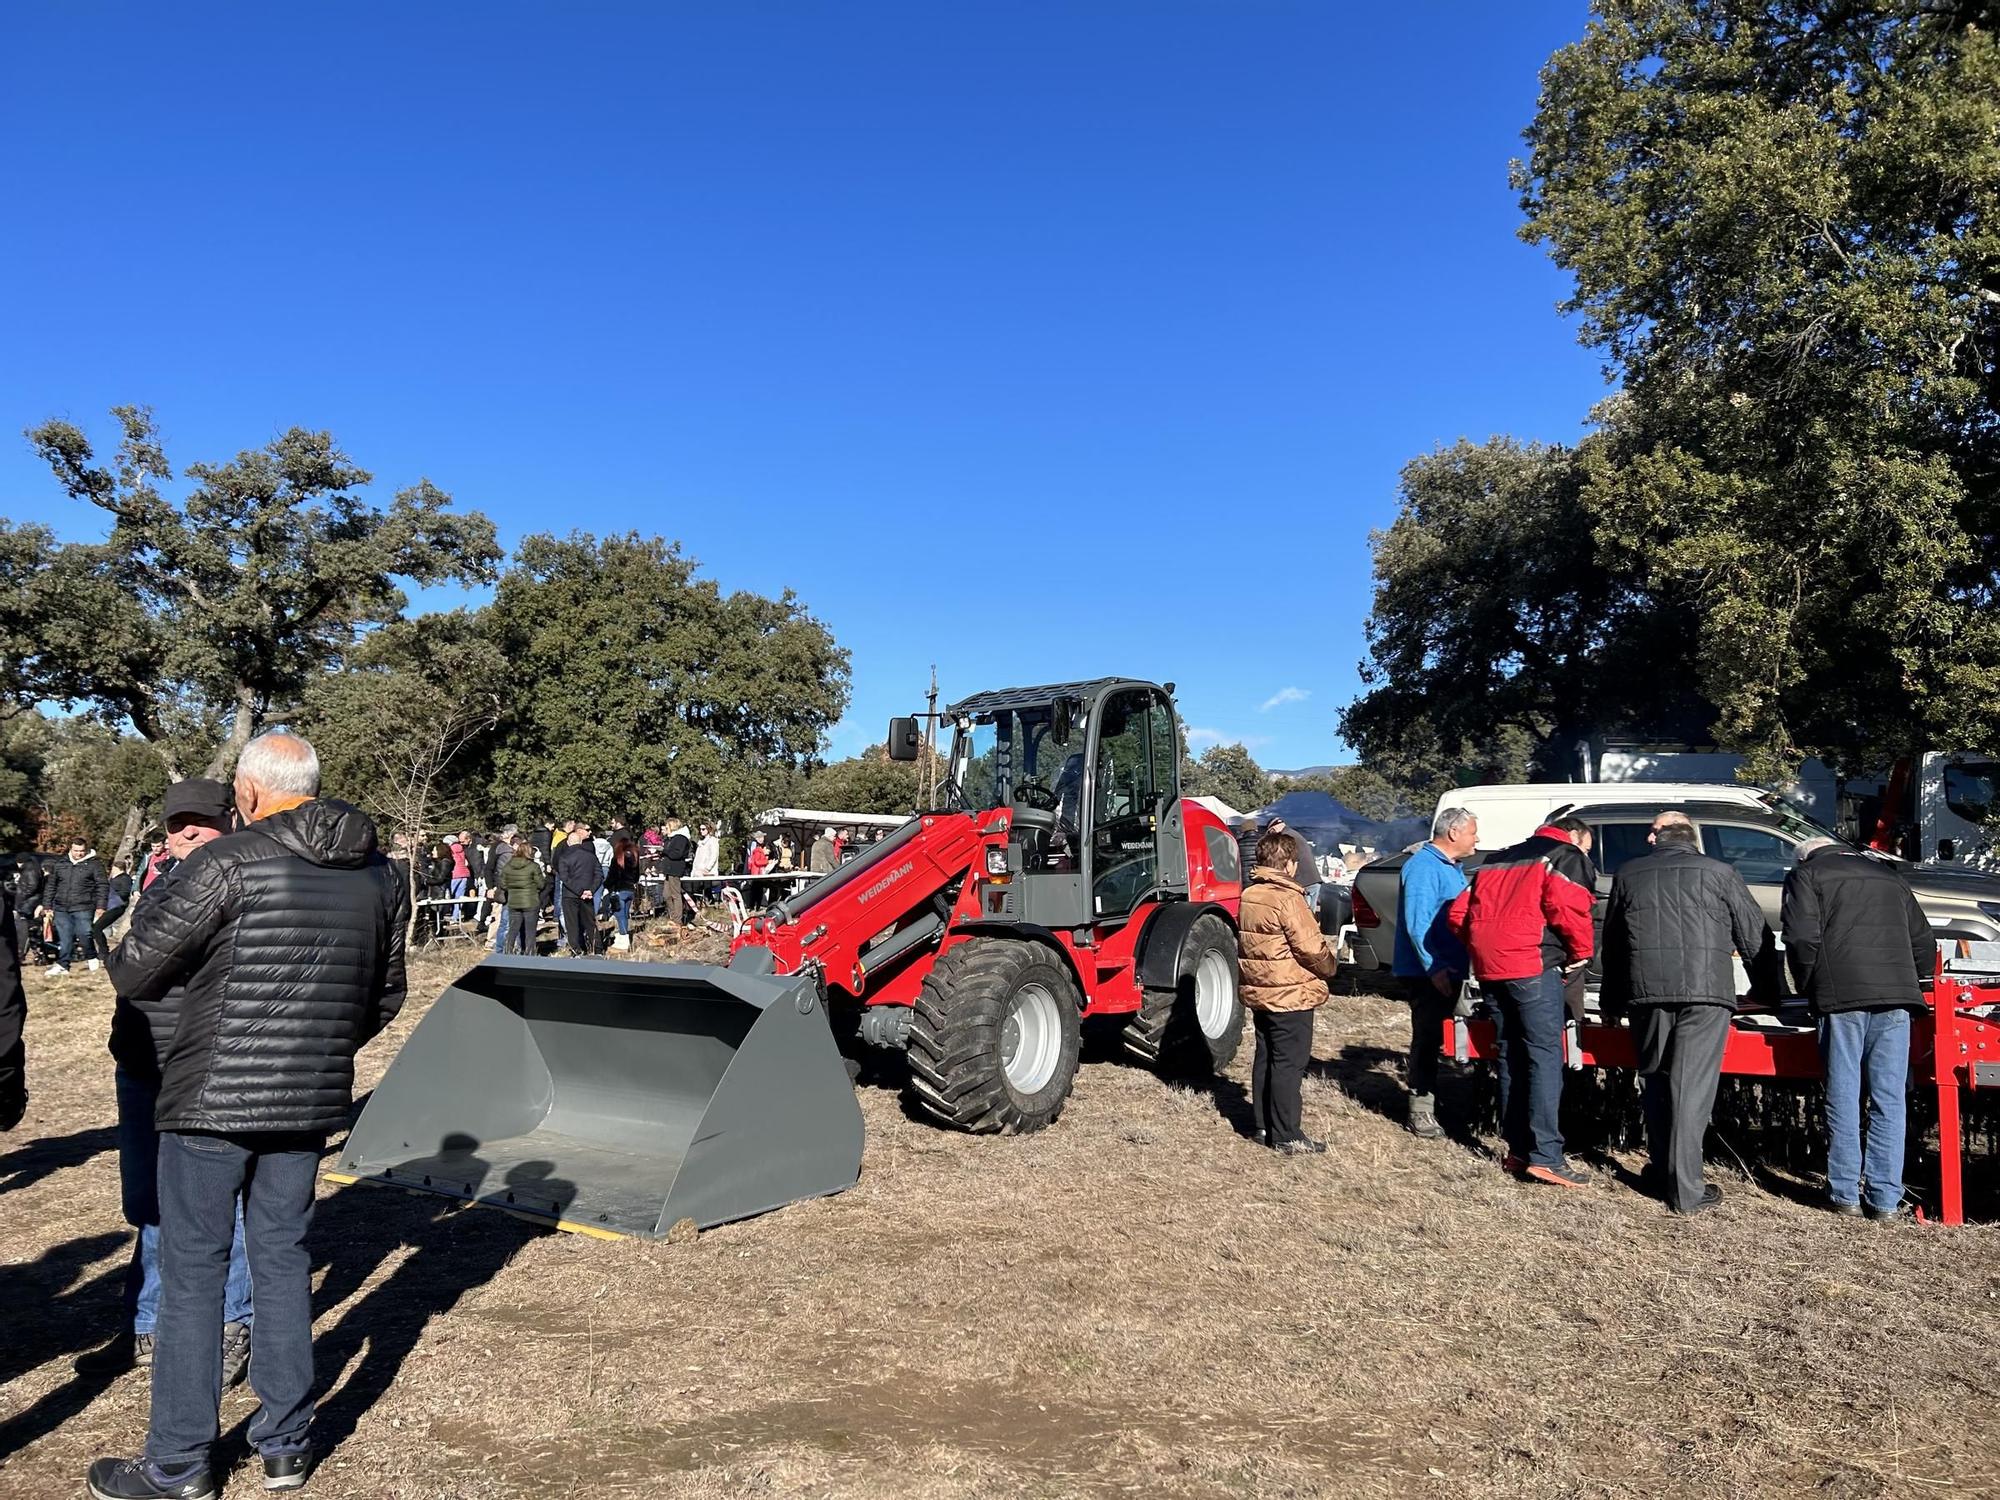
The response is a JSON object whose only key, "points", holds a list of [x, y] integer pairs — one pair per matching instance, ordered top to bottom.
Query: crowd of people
{"points": [[571, 874], [575, 877], [66, 907], [1676, 926]]}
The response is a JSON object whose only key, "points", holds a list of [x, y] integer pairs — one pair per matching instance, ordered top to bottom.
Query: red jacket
{"points": [[1528, 908]]}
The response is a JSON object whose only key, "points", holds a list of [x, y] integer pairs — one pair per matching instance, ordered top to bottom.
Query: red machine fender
{"points": [[1030, 932], [1165, 939]]}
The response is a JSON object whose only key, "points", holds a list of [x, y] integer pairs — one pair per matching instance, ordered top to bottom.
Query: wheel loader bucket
{"points": [[616, 1097]]}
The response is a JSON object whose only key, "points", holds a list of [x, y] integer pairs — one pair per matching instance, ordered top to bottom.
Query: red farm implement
{"points": [[1954, 1053]]}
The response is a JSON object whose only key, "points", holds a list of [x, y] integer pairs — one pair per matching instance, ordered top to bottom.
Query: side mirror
{"points": [[904, 740]]}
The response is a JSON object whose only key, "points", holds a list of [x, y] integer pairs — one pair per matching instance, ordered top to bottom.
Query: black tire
{"points": [[959, 1031], [1166, 1031]]}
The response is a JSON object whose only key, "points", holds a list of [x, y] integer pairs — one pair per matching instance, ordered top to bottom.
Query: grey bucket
{"points": [[616, 1097]]}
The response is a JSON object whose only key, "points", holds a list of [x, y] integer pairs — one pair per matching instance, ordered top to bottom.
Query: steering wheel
{"points": [[1034, 794]]}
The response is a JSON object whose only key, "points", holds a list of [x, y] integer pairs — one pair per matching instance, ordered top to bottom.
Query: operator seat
{"points": [[1064, 853]]}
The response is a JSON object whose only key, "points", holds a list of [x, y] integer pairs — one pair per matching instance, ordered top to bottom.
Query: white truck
{"points": [[1933, 810]]}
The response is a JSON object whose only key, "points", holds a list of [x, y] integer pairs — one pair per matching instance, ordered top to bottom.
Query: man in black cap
{"points": [[197, 810]]}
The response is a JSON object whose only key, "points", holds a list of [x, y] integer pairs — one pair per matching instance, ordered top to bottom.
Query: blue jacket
{"points": [[1425, 943]]}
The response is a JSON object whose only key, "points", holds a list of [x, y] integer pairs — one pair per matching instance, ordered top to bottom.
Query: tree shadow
{"points": [[27, 1165], [454, 1249], [50, 1315]]}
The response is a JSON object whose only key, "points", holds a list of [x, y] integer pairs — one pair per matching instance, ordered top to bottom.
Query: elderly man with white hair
{"points": [[288, 936], [1860, 949], [1429, 959]]}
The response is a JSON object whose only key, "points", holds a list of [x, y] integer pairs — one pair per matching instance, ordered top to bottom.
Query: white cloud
{"points": [[1283, 696], [1201, 739]]}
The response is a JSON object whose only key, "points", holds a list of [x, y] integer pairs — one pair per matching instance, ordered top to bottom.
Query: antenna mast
{"points": [[931, 719]]}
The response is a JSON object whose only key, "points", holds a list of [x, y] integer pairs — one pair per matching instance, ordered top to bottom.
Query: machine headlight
{"points": [[996, 860]]}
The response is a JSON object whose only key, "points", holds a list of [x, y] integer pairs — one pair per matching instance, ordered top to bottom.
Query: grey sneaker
{"points": [[1423, 1118], [235, 1354]]}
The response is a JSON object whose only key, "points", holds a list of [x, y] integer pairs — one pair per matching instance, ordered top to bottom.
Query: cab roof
{"points": [[1002, 700]]}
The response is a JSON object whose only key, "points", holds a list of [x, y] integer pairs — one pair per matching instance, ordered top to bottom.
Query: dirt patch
{"points": [[1137, 1301], [1036, 1438]]}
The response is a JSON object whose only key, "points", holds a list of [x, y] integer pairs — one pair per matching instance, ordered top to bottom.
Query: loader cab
{"points": [[1090, 776]]}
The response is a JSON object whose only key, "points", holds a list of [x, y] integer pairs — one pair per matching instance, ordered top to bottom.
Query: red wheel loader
{"points": [[1061, 878], [1064, 878]]}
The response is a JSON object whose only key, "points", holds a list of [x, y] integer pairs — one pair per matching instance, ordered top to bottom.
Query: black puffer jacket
{"points": [[28, 879], [74, 885], [1674, 918], [1854, 935], [289, 937], [142, 1029]]}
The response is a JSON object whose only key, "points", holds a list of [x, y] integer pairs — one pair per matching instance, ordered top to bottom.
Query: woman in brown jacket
{"points": [[1284, 968]]}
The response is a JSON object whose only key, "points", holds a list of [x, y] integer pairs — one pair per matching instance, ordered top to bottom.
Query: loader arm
{"points": [[833, 924]]}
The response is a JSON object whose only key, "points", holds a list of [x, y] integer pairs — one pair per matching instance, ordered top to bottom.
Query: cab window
{"points": [[1135, 764], [1969, 788], [1619, 842], [1758, 855]]}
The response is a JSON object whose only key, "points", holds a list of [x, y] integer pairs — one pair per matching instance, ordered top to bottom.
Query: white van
{"points": [[1508, 814]]}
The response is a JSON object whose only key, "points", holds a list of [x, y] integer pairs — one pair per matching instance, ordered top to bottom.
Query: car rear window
{"points": [[1618, 842]]}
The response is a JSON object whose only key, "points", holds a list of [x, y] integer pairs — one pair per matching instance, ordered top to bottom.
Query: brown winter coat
{"points": [[1285, 961]]}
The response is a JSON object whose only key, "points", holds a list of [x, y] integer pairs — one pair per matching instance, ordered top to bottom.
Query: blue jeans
{"points": [[624, 912], [503, 923], [73, 937], [1528, 1037], [1867, 1058], [200, 1178], [139, 1186]]}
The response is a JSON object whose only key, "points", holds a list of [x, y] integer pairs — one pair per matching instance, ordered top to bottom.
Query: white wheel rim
{"points": [[1214, 993], [1031, 1039]]}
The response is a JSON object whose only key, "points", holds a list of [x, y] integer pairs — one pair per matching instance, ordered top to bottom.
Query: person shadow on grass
{"points": [[454, 1248], [52, 1313]]}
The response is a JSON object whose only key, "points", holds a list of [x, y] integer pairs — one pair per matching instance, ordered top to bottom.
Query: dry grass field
{"points": [[1135, 1302]]}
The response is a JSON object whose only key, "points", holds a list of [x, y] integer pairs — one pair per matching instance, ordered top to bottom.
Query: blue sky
{"points": [[1037, 341]]}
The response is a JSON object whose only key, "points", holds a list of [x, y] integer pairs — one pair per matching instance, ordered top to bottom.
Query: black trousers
{"points": [[579, 916], [522, 922], [100, 944], [1428, 1013], [13, 1015], [1284, 1047], [1680, 1065]]}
